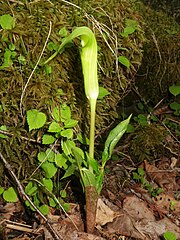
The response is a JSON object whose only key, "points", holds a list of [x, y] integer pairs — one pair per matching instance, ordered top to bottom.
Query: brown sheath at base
{"points": [[91, 206]]}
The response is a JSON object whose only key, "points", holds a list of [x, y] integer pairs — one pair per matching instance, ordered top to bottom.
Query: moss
{"points": [[160, 64], [147, 143]]}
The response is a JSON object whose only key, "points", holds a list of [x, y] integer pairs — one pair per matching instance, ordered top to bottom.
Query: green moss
{"points": [[160, 64], [147, 143]]}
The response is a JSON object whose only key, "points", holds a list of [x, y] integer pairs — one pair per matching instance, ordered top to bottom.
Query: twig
{"points": [[72, 4], [23, 92], [22, 137], [22, 193], [18, 226]]}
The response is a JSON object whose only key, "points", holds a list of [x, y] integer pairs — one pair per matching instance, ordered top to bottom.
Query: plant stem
{"points": [[92, 127], [91, 208]]}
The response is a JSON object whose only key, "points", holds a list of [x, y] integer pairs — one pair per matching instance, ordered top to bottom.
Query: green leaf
{"points": [[7, 22], [131, 23], [128, 30], [63, 32], [52, 46], [12, 47], [7, 59], [22, 60], [124, 61], [48, 69], [175, 90], [60, 92], [103, 92], [140, 106], [175, 106], [65, 112], [56, 114], [35, 119], [142, 120], [70, 123], [54, 127], [4, 128], [130, 128], [68, 133], [113, 138], [48, 139], [82, 139], [67, 146], [50, 155], [78, 155], [42, 156], [60, 160], [94, 165], [49, 169], [70, 171], [141, 171], [136, 176], [88, 177], [99, 182], [48, 184], [28, 187], [31, 189], [1, 190], [63, 193], [10, 195], [36, 201], [52, 203], [66, 207], [44, 209], [169, 236]]}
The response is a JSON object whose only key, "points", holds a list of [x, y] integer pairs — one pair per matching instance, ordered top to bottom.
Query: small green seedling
{"points": [[7, 22], [131, 27], [9, 56], [124, 61], [174, 90], [35, 119], [3, 128], [140, 177], [9, 195], [169, 236]]}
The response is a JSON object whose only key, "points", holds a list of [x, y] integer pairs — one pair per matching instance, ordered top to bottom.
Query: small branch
{"points": [[22, 137], [22, 193]]}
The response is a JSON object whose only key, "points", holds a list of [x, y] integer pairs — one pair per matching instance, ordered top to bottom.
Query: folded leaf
{"points": [[113, 138]]}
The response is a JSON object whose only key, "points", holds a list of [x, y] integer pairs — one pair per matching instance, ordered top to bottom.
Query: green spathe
{"points": [[88, 59], [89, 66]]}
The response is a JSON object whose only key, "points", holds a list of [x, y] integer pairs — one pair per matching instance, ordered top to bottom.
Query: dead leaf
{"points": [[164, 178], [167, 204], [137, 209], [104, 214], [155, 229], [86, 236]]}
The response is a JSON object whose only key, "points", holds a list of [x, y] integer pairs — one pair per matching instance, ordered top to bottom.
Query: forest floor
{"points": [[139, 200]]}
